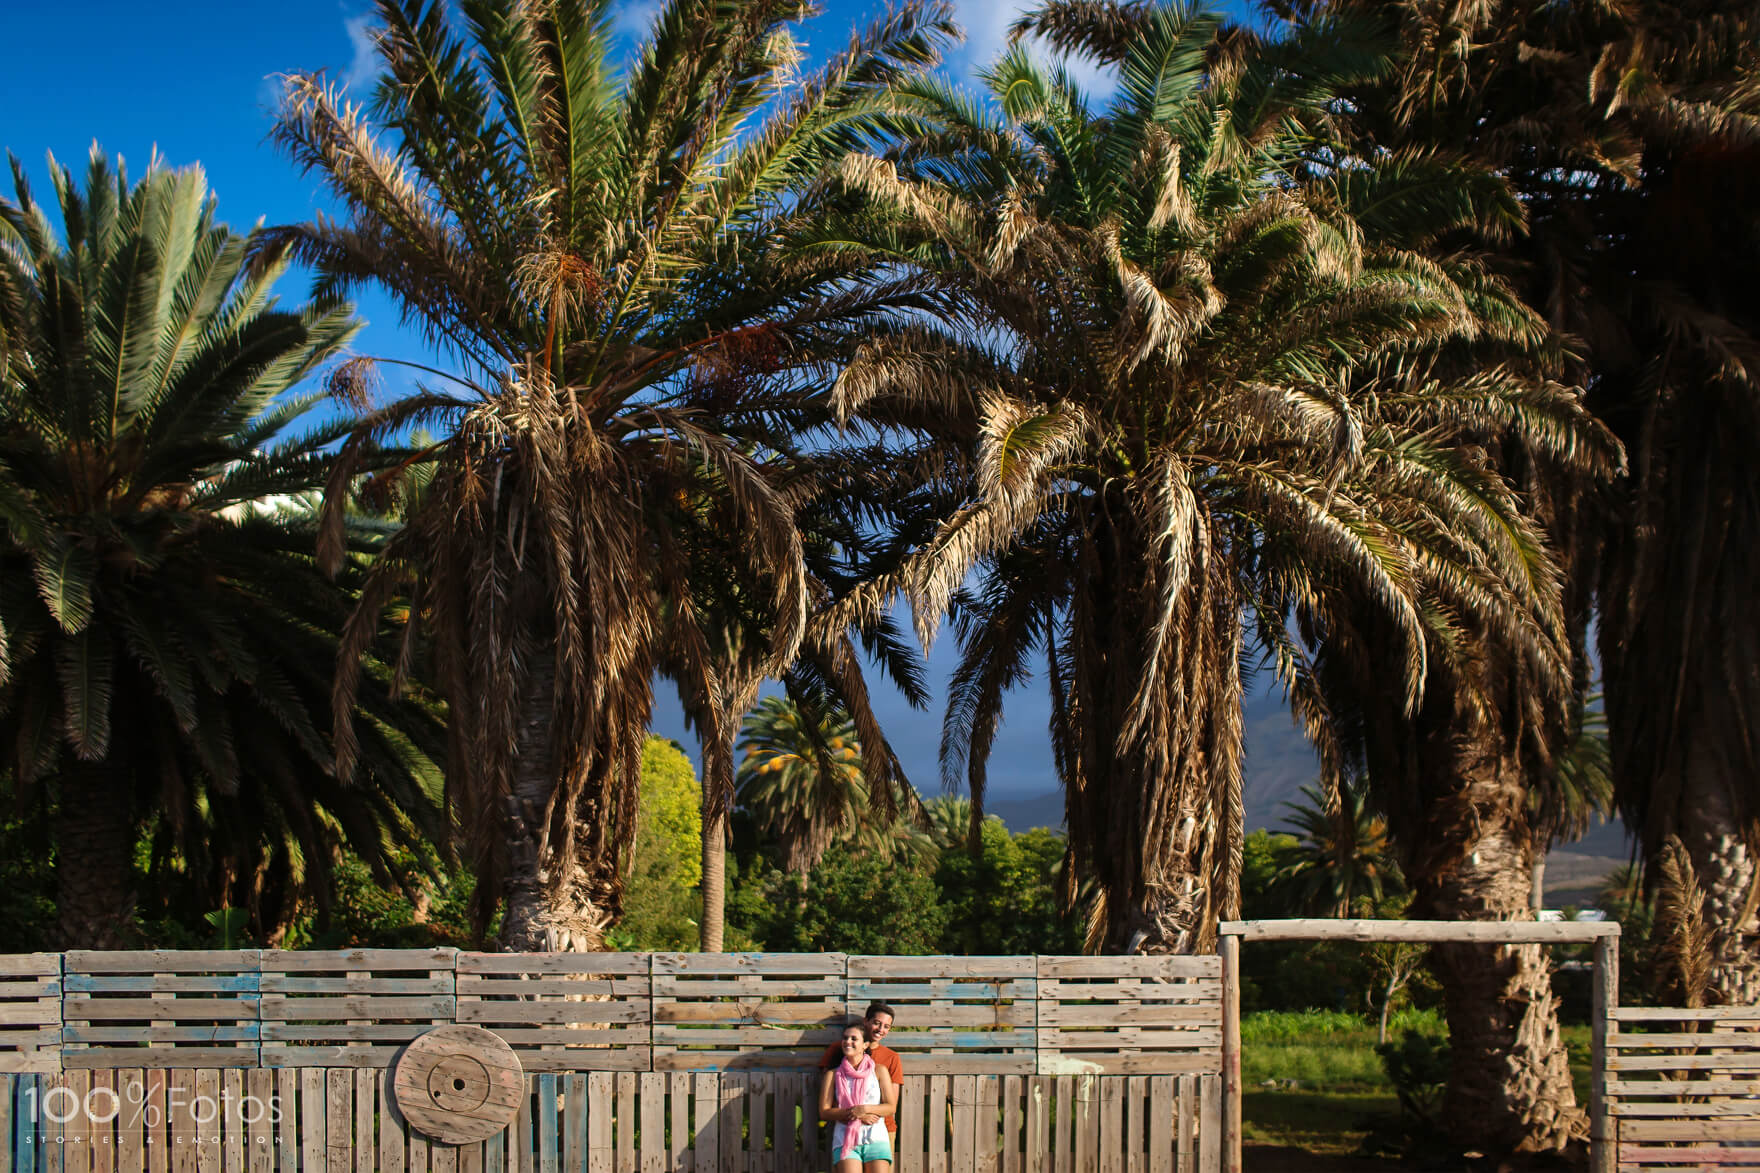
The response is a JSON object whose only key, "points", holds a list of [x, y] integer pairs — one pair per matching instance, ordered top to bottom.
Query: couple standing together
{"points": [[860, 1094]]}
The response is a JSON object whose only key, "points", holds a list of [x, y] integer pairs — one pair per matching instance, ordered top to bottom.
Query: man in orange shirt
{"points": [[879, 1019]]}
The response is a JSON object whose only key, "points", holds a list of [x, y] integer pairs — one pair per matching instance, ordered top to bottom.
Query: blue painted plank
{"points": [[547, 1123]]}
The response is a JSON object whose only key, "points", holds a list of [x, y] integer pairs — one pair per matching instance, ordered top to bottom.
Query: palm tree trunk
{"points": [[94, 842], [1537, 879], [541, 916], [711, 928], [1510, 1087]]}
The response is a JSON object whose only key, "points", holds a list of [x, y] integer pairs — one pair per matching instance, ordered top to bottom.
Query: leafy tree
{"points": [[616, 263], [1217, 397], [169, 641], [1341, 858], [666, 864], [1004, 900], [853, 903]]}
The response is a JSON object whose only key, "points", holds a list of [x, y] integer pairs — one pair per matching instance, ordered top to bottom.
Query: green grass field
{"points": [[1311, 1079]]}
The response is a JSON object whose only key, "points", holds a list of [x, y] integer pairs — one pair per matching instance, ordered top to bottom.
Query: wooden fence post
{"points": [[1231, 1053], [1603, 1141]]}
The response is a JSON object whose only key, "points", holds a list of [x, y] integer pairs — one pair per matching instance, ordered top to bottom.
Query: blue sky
{"points": [[196, 80]]}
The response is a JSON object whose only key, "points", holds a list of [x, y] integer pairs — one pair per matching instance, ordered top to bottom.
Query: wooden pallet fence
{"points": [[167, 1008], [355, 1008], [563, 1011], [723, 1011], [30, 1012], [955, 1015], [1129, 1015], [1684, 1087], [343, 1120]]}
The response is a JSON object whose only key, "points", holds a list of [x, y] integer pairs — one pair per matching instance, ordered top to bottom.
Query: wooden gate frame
{"points": [[1604, 935]]}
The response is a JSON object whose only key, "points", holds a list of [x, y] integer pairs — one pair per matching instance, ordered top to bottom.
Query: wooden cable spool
{"points": [[458, 1084]]}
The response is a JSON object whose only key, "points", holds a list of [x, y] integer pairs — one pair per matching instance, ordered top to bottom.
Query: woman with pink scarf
{"points": [[858, 1094]]}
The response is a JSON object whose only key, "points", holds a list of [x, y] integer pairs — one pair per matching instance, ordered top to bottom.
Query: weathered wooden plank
{"points": [[1502, 932], [161, 961], [341, 961], [553, 963], [31, 964], [734, 964], [1092, 967], [357, 985], [939, 989], [324, 1008], [555, 1012], [1679, 1014], [1191, 1015], [1734, 1040], [1745, 1061], [967, 1062], [1129, 1063], [1683, 1087], [1040, 1090], [601, 1093], [785, 1095], [962, 1098], [1136, 1098], [732, 1101], [1162, 1106], [1744, 1107], [103, 1108], [312, 1108], [705, 1108], [338, 1110], [231, 1119], [287, 1120], [626, 1122], [986, 1123], [1188, 1123], [546, 1124], [573, 1124], [1087, 1124], [391, 1125], [77, 1129], [1691, 1130], [185, 1132], [651, 1134], [1111, 1136], [1213, 1136], [908, 1140], [523, 1141], [935, 1141], [8, 1144], [366, 1144], [1013, 1144], [678, 1149], [1063, 1151], [418, 1153], [495, 1153], [470, 1157], [1706, 1157], [442, 1158]]}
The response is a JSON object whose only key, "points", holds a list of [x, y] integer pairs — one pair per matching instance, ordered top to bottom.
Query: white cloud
{"points": [[986, 26], [363, 60]]}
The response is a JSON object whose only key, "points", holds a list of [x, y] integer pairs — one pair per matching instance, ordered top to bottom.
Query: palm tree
{"points": [[1630, 131], [622, 268], [1213, 390], [166, 639], [801, 776], [1341, 855]]}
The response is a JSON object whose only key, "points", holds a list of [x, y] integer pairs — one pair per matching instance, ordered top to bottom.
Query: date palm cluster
{"points": [[1376, 345]]}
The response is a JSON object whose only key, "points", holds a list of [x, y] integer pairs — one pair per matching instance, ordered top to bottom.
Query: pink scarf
{"points": [[849, 1084]]}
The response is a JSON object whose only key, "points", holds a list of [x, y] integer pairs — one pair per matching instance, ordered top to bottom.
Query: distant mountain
{"points": [[1278, 764]]}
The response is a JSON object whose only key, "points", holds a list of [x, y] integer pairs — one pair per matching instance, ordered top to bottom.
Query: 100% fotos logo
{"points": [[132, 1108]]}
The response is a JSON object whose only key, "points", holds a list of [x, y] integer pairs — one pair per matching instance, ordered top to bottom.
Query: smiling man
{"points": [[879, 1019]]}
